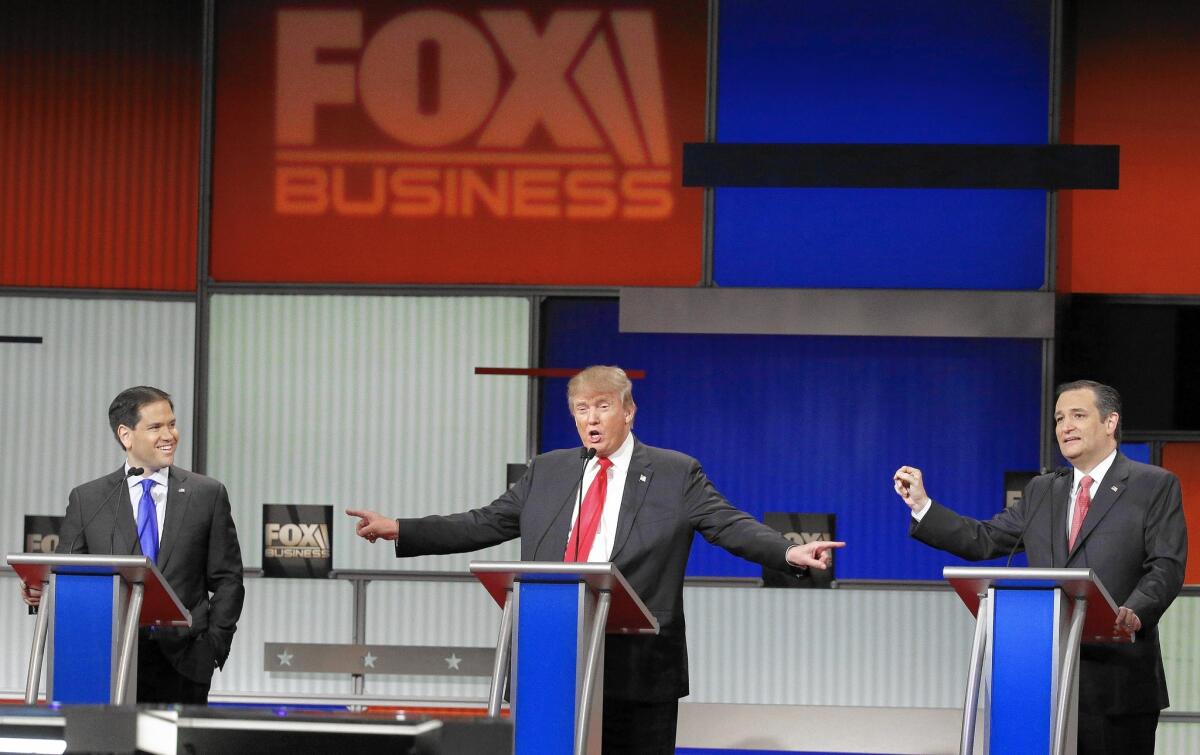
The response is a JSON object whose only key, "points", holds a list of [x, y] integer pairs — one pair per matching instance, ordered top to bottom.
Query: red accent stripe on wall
{"points": [[1134, 84], [99, 144], [547, 372], [1184, 460]]}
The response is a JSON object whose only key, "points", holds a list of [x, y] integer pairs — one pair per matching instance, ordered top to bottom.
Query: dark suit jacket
{"points": [[667, 498], [1135, 538], [198, 555]]}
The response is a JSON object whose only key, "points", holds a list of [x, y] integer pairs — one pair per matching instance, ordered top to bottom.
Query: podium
{"points": [[92, 606], [554, 621], [1029, 625]]}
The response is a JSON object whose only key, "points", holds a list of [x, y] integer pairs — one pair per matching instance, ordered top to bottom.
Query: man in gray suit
{"points": [[641, 510], [1111, 514], [183, 521]]}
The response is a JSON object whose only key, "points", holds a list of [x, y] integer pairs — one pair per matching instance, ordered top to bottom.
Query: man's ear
{"points": [[124, 434]]}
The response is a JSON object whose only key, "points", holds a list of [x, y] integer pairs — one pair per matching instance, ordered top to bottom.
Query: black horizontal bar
{"points": [[903, 166], [20, 339]]}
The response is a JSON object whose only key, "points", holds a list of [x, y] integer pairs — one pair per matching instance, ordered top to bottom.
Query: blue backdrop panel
{"points": [[927, 71], [791, 423], [1137, 451]]}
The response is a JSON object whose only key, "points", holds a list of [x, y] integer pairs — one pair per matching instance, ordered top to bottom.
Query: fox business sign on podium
{"points": [[458, 142], [802, 528], [41, 533], [297, 540]]}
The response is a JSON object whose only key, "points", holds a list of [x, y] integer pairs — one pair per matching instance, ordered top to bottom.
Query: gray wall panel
{"points": [[54, 396], [54, 400], [367, 402], [288, 610], [431, 613], [1178, 633], [827, 647]]}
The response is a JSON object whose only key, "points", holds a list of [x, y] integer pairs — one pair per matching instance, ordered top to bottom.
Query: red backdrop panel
{"points": [[1135, 84], [392, 142], [99, 144], [1184, 460]]}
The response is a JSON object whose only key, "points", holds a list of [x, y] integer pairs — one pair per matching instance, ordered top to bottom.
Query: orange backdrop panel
{"points": [[1135, 85], [391, 142], [99, 144], [1184, 460]]}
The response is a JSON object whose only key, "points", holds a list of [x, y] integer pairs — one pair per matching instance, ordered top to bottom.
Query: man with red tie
{"points": [[640, 510], [1120, 518]]}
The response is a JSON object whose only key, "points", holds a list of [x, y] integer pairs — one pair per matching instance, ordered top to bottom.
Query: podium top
{"points": [[973, 582], [160, 605], [627, 615]]}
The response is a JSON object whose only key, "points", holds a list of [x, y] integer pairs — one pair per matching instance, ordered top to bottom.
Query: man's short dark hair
{"points": [[1108, 401], [126, 408]]}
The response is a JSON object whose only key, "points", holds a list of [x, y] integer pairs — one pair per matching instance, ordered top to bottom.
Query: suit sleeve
{"points": [[498, 522], [721, 523], [69, 535], [1165, 537], [969, 538], [223, 578]]}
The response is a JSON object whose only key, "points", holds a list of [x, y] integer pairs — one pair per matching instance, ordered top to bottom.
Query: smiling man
{"points": [[640, 510], [1108, 513], [182, 521]]}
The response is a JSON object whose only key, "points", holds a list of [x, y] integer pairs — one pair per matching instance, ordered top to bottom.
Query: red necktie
{"points": [[1082, 501], [588, 521]]}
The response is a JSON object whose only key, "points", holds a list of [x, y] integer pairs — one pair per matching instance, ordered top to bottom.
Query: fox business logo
{"points": [[468, 104], [803, 538], [296, 540], [41, 543]]}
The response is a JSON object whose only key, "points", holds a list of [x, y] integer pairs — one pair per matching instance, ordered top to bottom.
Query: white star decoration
{"points": [[285, 658], [369, 660], [452, 662]]}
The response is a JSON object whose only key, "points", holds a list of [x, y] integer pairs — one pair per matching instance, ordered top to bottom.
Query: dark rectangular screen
{"points": [[1149, 351]]}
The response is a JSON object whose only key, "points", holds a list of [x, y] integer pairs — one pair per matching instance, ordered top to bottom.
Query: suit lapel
{"points": [[637, 482], [1060, 491], [178, 496], [1104, 496], [125, 540], [552, 541]]}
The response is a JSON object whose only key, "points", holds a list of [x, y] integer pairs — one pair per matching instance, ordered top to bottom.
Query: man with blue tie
{"points": [[181, 520]]}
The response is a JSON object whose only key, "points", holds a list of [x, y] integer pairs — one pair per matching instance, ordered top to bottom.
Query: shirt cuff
{"points": [[919, 515]]}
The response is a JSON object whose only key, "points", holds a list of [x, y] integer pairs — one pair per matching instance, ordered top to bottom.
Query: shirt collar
{"points": [[621, 457], [1097, 473], [159, 476]]}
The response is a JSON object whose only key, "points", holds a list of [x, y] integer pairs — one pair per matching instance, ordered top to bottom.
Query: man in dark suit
{"points": [[641, 510], [180, 518], [1120, 518]]}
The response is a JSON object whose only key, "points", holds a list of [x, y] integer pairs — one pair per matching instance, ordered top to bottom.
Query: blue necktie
{"points": [[147, 522]]}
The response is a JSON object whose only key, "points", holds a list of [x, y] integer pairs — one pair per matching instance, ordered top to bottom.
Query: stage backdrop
{"points": [[926, 71], [403, 142], [99, 144], [805, 423]]}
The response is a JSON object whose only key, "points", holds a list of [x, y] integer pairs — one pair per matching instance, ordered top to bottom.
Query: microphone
{"points": [[587, 454], [133, 472], [1060, 472]]}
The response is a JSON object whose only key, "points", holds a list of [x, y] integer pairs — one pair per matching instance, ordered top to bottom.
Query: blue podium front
{"points": [[92, 606], [555, 619], [1030, 624]]}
